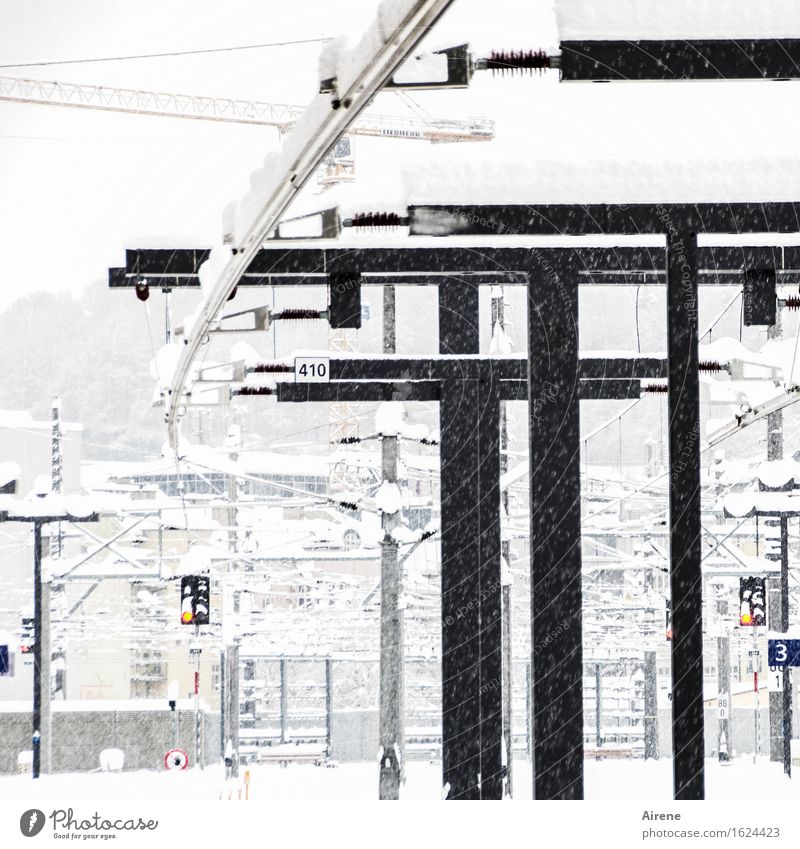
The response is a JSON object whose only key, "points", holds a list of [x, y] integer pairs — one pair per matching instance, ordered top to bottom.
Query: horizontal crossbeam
{"points": [[694, 59], [602, 219], [444, 266], [454, 368], [375, 391]]}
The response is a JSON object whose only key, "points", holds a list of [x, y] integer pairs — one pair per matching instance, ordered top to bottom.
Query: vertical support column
{"points": [[498, 310], [389, 320], [459, 327], [774, 452], [684, 511], [471, 575], [460, 589], [490, 590], [556, 621], [392, 643], [37, 650], [724, 690], [786, 695], [284, 699], [233, 705], [598, 706], [650, 706], [223, 707], [328, 707], [529, 711], [46, 722], [724, 741]]}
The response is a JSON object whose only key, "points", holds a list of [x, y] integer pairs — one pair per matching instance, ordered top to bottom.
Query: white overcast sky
{"points": [[77, 187]]}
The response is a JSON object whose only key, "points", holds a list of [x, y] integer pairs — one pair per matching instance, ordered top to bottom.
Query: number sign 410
{"points": [[312, 370]]}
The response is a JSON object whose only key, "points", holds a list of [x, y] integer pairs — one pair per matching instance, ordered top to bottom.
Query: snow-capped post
{"points": [[388, 423], [685, 550], [556, 578]]}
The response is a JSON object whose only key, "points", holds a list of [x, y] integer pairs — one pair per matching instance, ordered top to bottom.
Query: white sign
{"points": [[312, 370], [775, 679], [723, 707]]}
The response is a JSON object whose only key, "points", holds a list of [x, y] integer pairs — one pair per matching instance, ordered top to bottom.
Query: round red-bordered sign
{"points": [[176, 759]]}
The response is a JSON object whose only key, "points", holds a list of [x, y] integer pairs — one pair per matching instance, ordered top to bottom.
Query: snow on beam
{"points": [[678, 19], [484, 198]]}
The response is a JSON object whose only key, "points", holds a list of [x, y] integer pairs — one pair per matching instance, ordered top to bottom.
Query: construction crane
{"points": [[231, 110]]}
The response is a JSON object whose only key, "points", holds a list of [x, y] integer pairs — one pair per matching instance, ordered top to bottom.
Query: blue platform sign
{"points": [[783, 653], [5, 668]]}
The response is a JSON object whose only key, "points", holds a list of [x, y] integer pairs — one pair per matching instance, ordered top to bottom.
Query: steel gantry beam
{"points": [[673, 59], [718, 265], [467, 387], [469, 391], [555, 521]]}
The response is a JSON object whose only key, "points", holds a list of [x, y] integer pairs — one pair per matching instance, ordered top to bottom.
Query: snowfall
{"points": [[496, 175]]}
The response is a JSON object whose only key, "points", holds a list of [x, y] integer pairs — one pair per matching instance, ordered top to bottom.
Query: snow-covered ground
{"points": [[605, 780]]}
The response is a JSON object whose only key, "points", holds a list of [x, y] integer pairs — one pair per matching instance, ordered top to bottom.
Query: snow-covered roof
{"points": [[593, 20]]}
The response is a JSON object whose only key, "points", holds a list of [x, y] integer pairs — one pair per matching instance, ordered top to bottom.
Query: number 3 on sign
{"points": [[312, 370]]}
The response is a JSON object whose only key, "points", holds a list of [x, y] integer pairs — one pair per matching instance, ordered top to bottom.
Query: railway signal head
{"points": [[187, 599], [195, 600], [201, 600], [752, 602]]}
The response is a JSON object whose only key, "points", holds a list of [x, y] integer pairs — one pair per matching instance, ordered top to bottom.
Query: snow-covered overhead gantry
{"points": [[357, 74]]}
